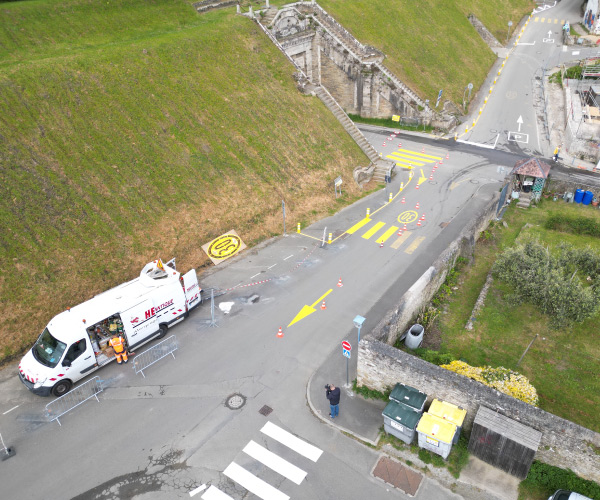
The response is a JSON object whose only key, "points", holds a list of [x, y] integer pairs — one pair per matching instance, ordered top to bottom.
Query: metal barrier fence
{"points": [[154, 354], [73, 398]]}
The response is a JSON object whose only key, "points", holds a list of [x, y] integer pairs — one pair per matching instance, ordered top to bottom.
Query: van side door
{"points": [[192, 290], [139, 322]]}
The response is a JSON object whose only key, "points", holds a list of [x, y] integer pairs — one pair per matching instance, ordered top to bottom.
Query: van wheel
{"points": [[163, 331], [62, 388]]}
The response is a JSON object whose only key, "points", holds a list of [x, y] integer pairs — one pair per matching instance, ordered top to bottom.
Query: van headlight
{"points": [[39, 384]]}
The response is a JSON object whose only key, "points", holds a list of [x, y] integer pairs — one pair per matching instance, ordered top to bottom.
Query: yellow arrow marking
{"points": [[422, 179], [307, 310]]}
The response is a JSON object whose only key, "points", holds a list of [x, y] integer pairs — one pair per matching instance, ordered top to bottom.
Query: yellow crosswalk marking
{"points": [[535, 19], [542, 19], [556, 21], [562, 21], [400, 155], [421, 155], [401, 161], [358, 225], [373, 230], [385, 236], [400, 240], [414, 245]]}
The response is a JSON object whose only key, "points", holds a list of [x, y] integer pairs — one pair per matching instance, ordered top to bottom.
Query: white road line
{"points": [[288, 257], [271, 266], [254, 275], [8, 411], [298, 445], [275, 462], [253, 484], [197, 490], [214, 493]]}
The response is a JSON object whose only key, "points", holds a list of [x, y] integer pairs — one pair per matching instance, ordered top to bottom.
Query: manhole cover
{"points": [[474, 181], [432, 182], [444, 224], [235, 401], [265, 410], [398, 475]]}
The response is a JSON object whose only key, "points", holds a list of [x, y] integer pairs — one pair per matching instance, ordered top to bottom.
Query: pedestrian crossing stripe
{"points": [[549, 21], [420, 156], [401, 163], [358, 225], [373, 230], [387, 235], [400, 240], [414, 245], [294, 443], [274, 462], [252, 483], [213, 493]]}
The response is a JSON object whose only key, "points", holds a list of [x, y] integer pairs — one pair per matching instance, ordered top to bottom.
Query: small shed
{"points": [[529, 176], [409, 396], [449, 412], [400, 421], [436, 434], [503, 442]]}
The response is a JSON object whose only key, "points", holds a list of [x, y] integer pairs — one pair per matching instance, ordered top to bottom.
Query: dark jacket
{"points": [[334, 396]]}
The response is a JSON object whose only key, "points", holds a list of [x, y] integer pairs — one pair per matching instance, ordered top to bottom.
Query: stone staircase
{"points": [[268, 15], [382, 167], [524, 200]]}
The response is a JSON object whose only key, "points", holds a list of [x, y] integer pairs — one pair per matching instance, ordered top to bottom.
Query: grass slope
{"points": [[430, 44], [136, 129], [561, 364]]}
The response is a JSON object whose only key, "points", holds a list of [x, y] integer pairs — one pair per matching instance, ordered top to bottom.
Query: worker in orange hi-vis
{"points": [[118, 345]]}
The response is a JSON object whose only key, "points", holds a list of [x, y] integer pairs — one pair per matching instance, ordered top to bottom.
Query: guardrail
{"points": [[154, 354], [73, 398]]}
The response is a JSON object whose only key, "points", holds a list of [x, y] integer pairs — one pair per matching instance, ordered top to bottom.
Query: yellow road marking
{"points": [[535, 19], [542, 19], [556, 21], [562, 21], [397, 154], [422, 155], [412, 163], [409, 166], [422, 179], [456, 184], [407, 217], [358, 225], [373, 230], [385, 236], [400, 240], [414, 245], [321, 297]]}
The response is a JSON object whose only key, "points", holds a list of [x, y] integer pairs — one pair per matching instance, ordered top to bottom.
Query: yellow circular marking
{"points": [[408, 217], [224, 246]]}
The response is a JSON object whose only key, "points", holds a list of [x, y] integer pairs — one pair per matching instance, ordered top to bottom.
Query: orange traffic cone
{"points": [[399, 145], [423, 150], [447, 156], [441, 161], [431, 177], [417, 186], [403, 200], [417, 206], [423, 217], [419, 223], [404, 227], [399, 232], [381, 245], [339, 283], [323, 306], [280, 333]]}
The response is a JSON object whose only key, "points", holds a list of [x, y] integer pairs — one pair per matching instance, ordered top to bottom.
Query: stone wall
{"points": [[568, 186], [397, 320], [564, 444]]}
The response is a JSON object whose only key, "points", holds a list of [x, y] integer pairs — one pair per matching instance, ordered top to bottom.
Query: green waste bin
{"points": [[409, 396], [400, 421]]}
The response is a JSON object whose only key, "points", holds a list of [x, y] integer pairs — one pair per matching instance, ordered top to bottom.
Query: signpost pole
{"points": [[283, 209], [347, 379]]}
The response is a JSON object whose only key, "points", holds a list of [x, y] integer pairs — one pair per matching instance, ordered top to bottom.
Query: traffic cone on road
{"points": [[399, 145], [423, 150], [447, 156], [431, 176], [417, 186], [403, 199], [417, 206], [423, 217], [419, 223], [404, 227], [399, 232], [381, 245], [339, 283], [323, 306], [280, 333]]}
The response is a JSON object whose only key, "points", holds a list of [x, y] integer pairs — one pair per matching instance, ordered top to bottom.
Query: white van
{"points": [[76, 342], [567, 495]]}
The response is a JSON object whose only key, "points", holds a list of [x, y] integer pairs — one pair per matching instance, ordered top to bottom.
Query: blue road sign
{"points": [[346, 353]]}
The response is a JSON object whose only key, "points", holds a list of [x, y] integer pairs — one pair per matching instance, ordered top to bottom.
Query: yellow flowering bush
{"points": [[502, 379]]}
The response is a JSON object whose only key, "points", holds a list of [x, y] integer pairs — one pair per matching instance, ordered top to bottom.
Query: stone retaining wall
{"points": [[564, 443]]}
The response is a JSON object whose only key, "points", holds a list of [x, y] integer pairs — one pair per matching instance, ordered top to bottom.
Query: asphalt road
{"points": [[163, 436]]}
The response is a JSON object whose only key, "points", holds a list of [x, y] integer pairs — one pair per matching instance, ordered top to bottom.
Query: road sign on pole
{"points": [[346, 348]]}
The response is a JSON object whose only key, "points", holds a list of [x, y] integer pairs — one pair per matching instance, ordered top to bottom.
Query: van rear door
{"points": [[192, 289], [139, 323]]}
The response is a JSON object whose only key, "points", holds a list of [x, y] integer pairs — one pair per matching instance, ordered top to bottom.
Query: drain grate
{"points": [[444, 224], [235, 401], [265, 410], [398, 475]]}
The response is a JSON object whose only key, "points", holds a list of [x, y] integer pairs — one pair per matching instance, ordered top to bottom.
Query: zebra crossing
{"points": [[549, 20], [406, 158], [383, 232], [274, 462]]}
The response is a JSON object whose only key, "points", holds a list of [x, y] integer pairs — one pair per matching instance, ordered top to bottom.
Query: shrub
{"points": [[572, 224], [434, 357], [502, 379], [459, 456], [552, 478]]}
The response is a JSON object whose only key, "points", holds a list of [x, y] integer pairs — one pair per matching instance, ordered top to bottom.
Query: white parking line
{"points": [[288, 257], [271, 266], [254, 275], [8, 411], [298, 445], [275, 462], [252, 483], [197, 490], [214, 493]]}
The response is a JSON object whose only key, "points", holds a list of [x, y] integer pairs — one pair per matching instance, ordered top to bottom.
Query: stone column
{"points": [[268, 4], [237, 8], [251, 12]]}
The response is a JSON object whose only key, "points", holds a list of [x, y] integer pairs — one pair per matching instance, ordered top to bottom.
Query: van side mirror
{"points": [[66, 363]]}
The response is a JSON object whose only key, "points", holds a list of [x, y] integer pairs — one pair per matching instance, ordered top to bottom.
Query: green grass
{"points": [[429, 44], [140, 129], [561, 364]]}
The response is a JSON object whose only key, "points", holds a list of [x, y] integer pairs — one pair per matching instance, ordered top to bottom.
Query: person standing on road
{"points": [[333, 394]]}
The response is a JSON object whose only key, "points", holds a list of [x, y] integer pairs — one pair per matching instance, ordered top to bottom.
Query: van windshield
{"points": [[48, 350]]}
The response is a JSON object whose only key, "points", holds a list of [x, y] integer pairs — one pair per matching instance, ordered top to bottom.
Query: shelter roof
{"points": [[532, 167]]}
